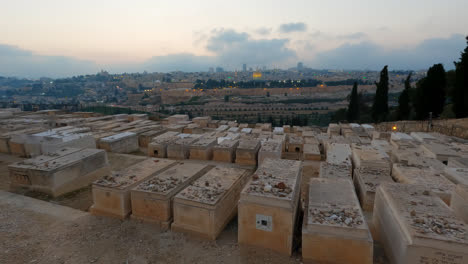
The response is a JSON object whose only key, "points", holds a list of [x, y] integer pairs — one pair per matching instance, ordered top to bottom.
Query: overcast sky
{"points": [[64, 37]]}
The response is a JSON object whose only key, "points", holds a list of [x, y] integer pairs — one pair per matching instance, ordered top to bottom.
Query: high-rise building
{"points": [[300, 66], [244, 67], [219, 69]]}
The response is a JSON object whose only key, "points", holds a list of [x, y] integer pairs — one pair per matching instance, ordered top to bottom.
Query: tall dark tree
{"points": [[430, 93], [460, 95], [404, 101], [380, 106], [353, 108]]}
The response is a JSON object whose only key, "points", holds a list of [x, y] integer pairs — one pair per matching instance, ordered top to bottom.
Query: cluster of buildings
{"points": [[343, 188]]}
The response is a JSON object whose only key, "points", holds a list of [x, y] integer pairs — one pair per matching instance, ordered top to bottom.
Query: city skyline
{"points": [[61, 38]]}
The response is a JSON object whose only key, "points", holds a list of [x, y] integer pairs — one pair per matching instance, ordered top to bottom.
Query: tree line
{"points": [[439, 94]]}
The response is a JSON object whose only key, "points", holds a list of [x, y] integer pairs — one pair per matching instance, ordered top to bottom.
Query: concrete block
{"points": [[125, 142], [225, 151], [247, 151], [62, 172], [366, 181], [111, 195], [152, 199], [459, 202], [207, 205], [268, 206], [416, 227], [334, 229]]}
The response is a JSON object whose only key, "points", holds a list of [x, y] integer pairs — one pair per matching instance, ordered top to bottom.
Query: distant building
{"points": [[300, 66], [244, 67], [219, 69], [250, 69], [211, 70]]}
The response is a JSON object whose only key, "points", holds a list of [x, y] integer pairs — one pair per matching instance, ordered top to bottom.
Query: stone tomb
{"points": [[146, 138], [125, 142], [295, 144], [158, 146], [180, 148], [203, 148], [270, 148], [225, 151], [247, 151], [312, 152], [339, 154], [369, 157], [458, 162], [333, 171], [61, 172], [457, 175], [432, 180], [366, 181], [111, 195], [152, 199], [459, 202], [206, 206], [268, 206], [417, 227], [334, 229]]}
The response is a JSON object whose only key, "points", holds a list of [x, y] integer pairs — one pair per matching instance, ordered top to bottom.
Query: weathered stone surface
{"points": [[126, 142], [158, 146], [180, 148], [270, 148], [202, 149], [247, 151], [312, 152], [333, 171], [457, 175], [366, 181], [434, 181], [111, 194], [151, 200], [459, 202], [207, 205], [268, 206], [417, 227], [334, 229]]}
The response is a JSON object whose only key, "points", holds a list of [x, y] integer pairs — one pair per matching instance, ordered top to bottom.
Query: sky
{"points": [[58, 38]]}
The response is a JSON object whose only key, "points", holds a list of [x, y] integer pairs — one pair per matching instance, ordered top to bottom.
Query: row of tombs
{"points": [[415, 187]]}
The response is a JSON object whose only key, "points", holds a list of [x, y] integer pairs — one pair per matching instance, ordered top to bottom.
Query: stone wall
{"points": [[450, 127]]}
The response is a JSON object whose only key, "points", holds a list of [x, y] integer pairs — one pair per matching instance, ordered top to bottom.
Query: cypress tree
{"points": [[430, 93], [460, 95], [404, 100], [380, 106], [353, 108]]}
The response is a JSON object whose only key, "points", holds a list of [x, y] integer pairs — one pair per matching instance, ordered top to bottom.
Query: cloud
{"points": [[293, 27], [263, 31], [357, 35], [222, 38], [368, 55], [15, 61]]}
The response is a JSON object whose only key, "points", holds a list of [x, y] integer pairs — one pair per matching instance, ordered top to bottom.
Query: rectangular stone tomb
{"points": [[145, 138], [125, 142], [295, 144], [158, 146], [179, 148], [203, 148], [270, 149], [225, 151], [247, 151], [312, 152], [339, 154], [369, 157], [414, 157], [333, 171], [61, 172], [457, 175], [433, 180], [366, 181], [111, 195], [151, 200], [459, 202], [206, 206], [268, 206], [417, 227], [334, 229]]}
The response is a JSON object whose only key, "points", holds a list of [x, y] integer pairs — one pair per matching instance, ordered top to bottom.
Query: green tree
{"points": [[430, 93], [460, 95], [404, 101], [380, 106], [353, 109]]}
